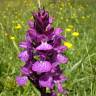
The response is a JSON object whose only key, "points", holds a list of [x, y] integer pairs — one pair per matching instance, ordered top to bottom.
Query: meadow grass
{"points": [[73, 15]]}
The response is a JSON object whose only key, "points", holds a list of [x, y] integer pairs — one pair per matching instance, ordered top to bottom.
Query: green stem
{"points": [[39, 3], [15, 45]]}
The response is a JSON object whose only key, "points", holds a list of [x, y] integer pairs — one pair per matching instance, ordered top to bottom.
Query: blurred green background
{"points": [[78, 20]]}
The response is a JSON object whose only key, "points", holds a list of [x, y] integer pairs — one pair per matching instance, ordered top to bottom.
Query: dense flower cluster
{"points": [[43, 53]]}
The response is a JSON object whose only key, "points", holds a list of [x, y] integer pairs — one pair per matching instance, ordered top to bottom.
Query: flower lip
{"points": [[50, 20], [31, 24], [58, 31], [32, 33], [23, 44], [44, 46], [61, 49], [24, 56], [62, 59], [41, 66], [25, 71], [59, 78], [21, 80], [46, 81], [58, 81], [60, 88], [53, 94]]}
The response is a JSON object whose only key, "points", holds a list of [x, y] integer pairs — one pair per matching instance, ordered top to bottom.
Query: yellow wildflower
{"points": [[18, 26], [68, 29], [75, 34], [12, 37], [68, 44]]}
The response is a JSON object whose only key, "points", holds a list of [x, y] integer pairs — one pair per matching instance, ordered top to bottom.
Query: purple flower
{"points": [[50, 20], [31, 24], [58, 31], [32, 34], [23, 44], [44, 46], [61, 49], [43, 55], [24, 56], [62, 59], [41, 66], [25, 71], [58, 79], [21, 80], [46, 81], [60, 88], [53, 94]]}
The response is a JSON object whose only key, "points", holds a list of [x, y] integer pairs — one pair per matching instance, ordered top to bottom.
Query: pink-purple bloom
{"points": [[44, 46], [43, 53], [24, 56], [62, 59], [41, 66], [25, 71], [22, 80], [46, 81]]}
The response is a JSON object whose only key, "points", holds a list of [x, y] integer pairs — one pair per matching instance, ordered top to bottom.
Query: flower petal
{"points": [[50, 20], [31, 24], [58, 31], [32, 33], [23, 44], [44, 46], [61, 49], [24, 56], [62, 59], [41, 66], [25, 71], [59, 78], [21, 80], [46, 81], [60, 88], [53, 94]]}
